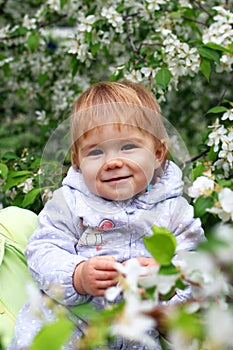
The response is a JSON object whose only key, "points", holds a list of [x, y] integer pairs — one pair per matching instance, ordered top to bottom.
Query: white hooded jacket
{"points": [[76, 225]]}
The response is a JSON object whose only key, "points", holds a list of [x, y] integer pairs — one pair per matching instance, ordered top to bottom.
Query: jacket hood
{"points": [[169, 185]]}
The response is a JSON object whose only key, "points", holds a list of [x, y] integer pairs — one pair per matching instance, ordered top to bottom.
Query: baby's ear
{"points": [[161, 152], [74, 160]]}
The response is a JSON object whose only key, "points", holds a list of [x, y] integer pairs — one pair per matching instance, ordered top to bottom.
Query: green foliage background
{"points": [[51, 51]]}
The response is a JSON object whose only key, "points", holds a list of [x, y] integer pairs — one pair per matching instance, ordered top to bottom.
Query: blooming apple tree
{"points": [[50, 51]]}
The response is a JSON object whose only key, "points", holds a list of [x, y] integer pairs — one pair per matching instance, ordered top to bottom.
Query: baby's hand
{"points": [[145, 261], [95, 275]]}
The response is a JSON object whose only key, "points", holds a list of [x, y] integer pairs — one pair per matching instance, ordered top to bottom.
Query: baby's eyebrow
{"points": [[88, 147]]}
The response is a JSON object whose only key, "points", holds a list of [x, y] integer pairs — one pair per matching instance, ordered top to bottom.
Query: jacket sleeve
{"points": [[51, 253]]}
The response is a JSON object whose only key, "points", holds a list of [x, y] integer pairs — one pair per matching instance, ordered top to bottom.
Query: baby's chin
{"points": [[118, 196]]}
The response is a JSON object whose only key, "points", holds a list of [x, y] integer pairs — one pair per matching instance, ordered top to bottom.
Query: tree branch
{"points": [[200, 155]]}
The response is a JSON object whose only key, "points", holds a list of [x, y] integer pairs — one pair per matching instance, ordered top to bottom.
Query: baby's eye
{"points": [[129, 146], [94, 152]]}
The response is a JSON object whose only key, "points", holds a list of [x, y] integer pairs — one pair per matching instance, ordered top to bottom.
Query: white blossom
{"points": [[185, 3], [54, 4], [154, 5], [223, 15], [114, 18], [29, 23], [86, 23], [4, 31], [221, 32], [80, 49], [180, 58], [6, 61], [226, 62], [147, 71], [134, 75], [228, 114], [41, 117], [217, 135], [226, 152], [225, 157], [223, 165], [27, 185], [202, 186], [11, 193], [46, 195], [226, 200], [224, 208], [224, 252], [201, 269], [131, 271], [163, 283], [134, 324], [219, 332]]}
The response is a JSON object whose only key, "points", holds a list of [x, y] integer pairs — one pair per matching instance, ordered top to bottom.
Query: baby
{"points": [[121, 182]]}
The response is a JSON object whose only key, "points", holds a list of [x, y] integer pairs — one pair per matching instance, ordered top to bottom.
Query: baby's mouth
{"points": [[117, 179]]}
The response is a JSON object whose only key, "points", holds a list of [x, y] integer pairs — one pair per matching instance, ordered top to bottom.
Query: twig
{"points": [[198, 3], [194, 20], [41, 25], [129, 37], [224, 92], [200, 155]]}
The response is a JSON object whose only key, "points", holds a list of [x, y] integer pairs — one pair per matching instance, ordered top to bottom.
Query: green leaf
{"points": [[63, 3], [19, 31], [33, 41], [219, 47], [95, 48], [230, 48], [208, 53], [75, 64], [205, 68], [42, 78], [163, 78], [217, 109], [212, 155], [10, 156], [3, 170], [198, 171], [20, 173], [16, 177], [11, 182], [225, 183], [30, 197], [201, 204], [162, 245], [168, 270], [149, 293], [84, 311], [188, 323], [54, 335]]}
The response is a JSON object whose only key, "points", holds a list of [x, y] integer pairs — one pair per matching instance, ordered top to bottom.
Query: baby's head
{"points": [[124, 115]]}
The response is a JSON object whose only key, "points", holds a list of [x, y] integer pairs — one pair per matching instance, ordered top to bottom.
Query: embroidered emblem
{"points": [[106, 224], [93, 236], [90, 237]]}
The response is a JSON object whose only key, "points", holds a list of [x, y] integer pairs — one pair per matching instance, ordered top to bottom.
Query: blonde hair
{"points": [[119, 103]]}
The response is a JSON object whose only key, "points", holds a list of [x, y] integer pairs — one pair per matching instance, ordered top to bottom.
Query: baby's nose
{"points": [[112, 164]]}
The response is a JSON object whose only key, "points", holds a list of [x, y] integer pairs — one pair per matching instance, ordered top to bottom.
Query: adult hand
{"points": [[95, 275]]}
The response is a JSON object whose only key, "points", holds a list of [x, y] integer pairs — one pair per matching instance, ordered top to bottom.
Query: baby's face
{"points": [[118, 164]]}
